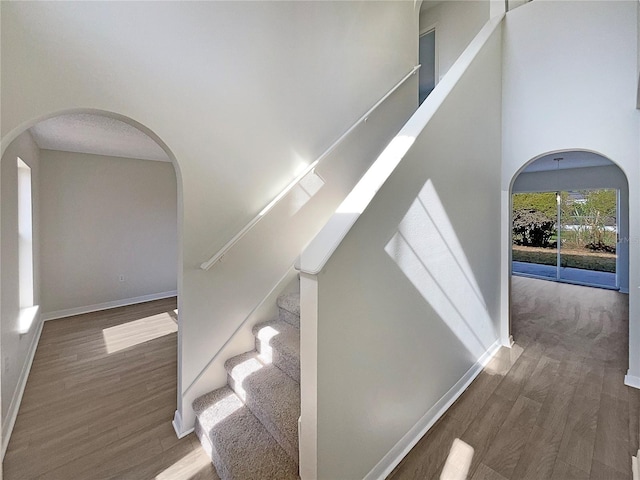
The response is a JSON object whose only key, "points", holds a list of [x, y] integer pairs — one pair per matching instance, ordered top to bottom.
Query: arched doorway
{"points": [[568, 177], [570, 220], [106, 233]]}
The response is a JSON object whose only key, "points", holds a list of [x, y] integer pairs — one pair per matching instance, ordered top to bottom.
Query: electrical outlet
{"points": [[121, 278]]}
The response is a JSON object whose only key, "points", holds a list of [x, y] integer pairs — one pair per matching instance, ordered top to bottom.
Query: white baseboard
{"points": [[107, 305], [631, 381], [16, 399], [178, 427], [386, 465]]}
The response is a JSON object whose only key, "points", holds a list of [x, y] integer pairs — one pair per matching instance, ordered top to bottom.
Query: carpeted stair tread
{"points": [[290, 302], [289, 308], [279, 341], [271, 395], [239, 445]]}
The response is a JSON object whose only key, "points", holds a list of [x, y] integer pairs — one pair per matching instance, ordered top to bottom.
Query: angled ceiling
{"points": [[98, 135]]}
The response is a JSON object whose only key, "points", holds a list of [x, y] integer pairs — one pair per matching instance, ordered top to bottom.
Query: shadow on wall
{"points": [[426, 249]]}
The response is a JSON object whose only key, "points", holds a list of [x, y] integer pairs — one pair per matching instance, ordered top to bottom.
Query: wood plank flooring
{"points": [[102, 392], [99, 401], [552, 407]]}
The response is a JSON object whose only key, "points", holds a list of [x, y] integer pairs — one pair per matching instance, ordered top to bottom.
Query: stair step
{"points": [[289, 308], [278, 342], [271, 395], [238, 444]]}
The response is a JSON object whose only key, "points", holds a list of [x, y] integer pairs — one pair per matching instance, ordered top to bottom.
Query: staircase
{"points": [[249, 428]]}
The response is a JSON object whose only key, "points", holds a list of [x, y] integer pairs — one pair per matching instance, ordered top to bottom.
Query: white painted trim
{"points": [[429, 29], [236, 238], [319, 250], [505, 268], [277, 287], [107, 305], [214, 375], [632, 381], [14, 406], [179, 427], [308, 436], [386, 465]]}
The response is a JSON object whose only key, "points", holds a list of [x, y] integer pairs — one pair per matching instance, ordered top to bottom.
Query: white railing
{"points": [[236, 238], [317, 253]]}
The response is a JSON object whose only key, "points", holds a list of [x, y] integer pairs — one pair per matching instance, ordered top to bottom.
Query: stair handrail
{"points": [[236, 238]]}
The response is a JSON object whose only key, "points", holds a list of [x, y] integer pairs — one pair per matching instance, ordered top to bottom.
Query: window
{"points": [[25, 247]]}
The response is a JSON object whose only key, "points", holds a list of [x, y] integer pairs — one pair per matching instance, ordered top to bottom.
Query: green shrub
{"points": [[532, 228]]}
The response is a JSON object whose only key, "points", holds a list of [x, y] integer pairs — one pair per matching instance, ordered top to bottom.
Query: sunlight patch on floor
{"points": [[134, 333], [458, 462], [185, 468]]}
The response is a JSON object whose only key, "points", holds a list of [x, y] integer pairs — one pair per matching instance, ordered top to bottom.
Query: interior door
{"points": [[427, 59]]}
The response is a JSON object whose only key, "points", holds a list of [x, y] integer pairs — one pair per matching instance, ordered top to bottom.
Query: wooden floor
{"points": [[102, 392], [100, 399], [552, 407]]}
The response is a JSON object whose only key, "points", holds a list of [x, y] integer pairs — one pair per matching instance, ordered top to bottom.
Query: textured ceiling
{"points": [[96, 134], [569, 160]]}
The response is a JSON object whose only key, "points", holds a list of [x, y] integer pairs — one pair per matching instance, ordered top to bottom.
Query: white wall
{"points": [[456, 22], [571, 88], [243, 93], [586, 178], [103, 217], [290, 226], [409, 300], [17, 349]]}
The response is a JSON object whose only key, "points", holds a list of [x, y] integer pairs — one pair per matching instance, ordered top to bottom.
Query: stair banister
{"points": [[236, 238]]}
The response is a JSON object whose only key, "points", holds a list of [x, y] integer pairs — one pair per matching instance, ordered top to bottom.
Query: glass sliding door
{"points": [[588, 233], [569, 236], [534, 250]]}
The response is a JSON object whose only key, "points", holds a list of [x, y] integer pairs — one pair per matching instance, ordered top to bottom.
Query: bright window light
{"points": [[304, 191], [25, 235]]}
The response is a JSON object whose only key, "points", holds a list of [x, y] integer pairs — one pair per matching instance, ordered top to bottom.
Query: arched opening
{"points": [[105, 218], [570, 220], [559, 312]]}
